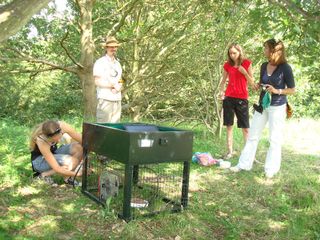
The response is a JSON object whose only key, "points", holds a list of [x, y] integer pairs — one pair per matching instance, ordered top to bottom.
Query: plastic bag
{"points": [[204, 158]]}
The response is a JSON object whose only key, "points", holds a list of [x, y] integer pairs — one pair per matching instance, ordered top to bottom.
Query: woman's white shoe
{"points": [[269, 175]]}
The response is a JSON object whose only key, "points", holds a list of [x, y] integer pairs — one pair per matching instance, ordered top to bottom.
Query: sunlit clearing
{"points": [[303, 139]]}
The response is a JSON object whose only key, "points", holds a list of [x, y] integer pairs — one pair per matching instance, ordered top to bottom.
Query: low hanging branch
{"points": [[21, 57], [53, 65]]}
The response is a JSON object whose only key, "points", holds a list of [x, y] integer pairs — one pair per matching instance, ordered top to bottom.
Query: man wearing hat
{"points": [[107, 76]]}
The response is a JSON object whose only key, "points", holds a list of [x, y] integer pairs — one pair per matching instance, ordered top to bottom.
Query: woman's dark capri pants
{"points": [[237, 106]]}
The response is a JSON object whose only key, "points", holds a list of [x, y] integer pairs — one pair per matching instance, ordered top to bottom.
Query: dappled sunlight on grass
{"points": [[202, 180], [318, 180], [265, 181], [27, 190], [211, 203], [222, 204], [69, 207], [13, 217], [42, 225], [276, 225]]}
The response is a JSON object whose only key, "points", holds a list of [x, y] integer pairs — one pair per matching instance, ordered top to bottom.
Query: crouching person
{"points": [[48, 158]]}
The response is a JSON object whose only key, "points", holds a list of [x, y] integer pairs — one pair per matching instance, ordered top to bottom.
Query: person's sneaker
{"points": [[235, 169], [269, 175], [47, 179], [72, 182]]}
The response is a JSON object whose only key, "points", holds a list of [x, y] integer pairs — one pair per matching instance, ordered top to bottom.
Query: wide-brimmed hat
{"points": [[111, 42]]}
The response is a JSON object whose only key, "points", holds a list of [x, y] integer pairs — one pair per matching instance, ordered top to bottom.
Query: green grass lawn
{"points": [[222, 205]]}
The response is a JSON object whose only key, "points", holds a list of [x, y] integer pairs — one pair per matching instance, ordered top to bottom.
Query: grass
{"points": [[222, 205]]}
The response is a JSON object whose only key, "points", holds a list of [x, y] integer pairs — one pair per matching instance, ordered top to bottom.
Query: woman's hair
{"points": [[277, 51], [241, 53], [48, 128]]}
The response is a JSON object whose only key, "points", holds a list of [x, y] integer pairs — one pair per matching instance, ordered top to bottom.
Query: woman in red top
{"points": [[238, 71]]}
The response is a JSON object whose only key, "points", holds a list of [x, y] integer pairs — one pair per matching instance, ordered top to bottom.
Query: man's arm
{"points": [[100, 83]]}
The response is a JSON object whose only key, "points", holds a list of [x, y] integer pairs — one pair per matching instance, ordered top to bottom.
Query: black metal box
{"points": [[136, 145]]}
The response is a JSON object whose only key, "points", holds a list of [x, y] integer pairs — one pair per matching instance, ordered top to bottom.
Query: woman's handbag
{"points": [[289, 111]]}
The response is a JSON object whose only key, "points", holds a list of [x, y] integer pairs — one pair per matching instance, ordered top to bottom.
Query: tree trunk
{"points": [[16, 14], [86, 59], [135, 68]]}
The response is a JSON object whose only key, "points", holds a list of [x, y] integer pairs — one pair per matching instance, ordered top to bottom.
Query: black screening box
{"points": [[152, 162]]}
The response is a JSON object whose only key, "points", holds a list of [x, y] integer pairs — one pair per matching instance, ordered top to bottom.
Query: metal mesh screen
{"points": [[155, 188]]}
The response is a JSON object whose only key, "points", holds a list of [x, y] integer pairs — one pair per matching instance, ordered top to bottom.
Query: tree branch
{"points": [[287, 6], [304, 13], [15, 15], [116, 27], [66, 50], [20, 57], [52, 65], [30, 70]]}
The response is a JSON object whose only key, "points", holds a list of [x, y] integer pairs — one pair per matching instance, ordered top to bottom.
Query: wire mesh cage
{"points": [[138, 178], [155, 188]]}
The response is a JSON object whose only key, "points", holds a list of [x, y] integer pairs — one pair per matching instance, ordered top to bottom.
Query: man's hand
{"points": [[117, 87]]}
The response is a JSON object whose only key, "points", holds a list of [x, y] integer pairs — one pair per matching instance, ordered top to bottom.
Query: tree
{"points": [[16, 14], [172, 51], [84, 70]]}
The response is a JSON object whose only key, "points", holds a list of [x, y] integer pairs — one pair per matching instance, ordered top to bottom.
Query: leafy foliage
{"points": [[172, 54]]}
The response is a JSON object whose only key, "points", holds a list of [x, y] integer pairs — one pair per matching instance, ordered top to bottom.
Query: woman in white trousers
{"points": [[276, 78]]}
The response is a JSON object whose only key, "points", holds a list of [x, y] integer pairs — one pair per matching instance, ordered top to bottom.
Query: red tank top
{"points": [[237, 85]]}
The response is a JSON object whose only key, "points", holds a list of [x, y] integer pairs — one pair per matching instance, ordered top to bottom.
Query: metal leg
{"points": [[85, 169], [135, 174], [185, 183], [127, 192]]}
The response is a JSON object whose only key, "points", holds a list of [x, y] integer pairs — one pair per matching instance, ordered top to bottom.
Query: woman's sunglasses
{"points": [[57, 131]]}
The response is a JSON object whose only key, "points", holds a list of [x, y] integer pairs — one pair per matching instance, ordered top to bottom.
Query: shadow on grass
{"points": [[32, 209]]}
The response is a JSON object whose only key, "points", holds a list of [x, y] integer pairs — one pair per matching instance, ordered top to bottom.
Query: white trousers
{"points": [[276, 116]]}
